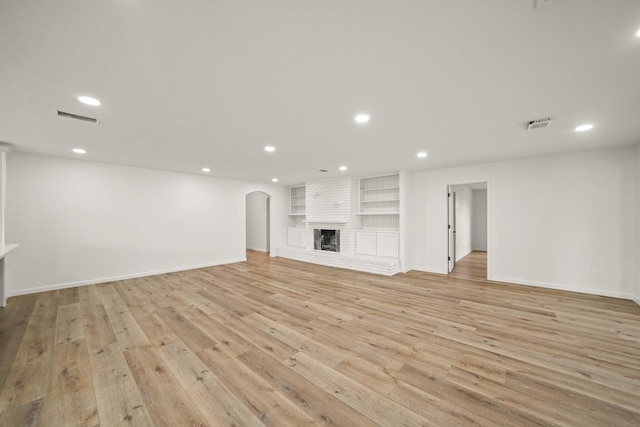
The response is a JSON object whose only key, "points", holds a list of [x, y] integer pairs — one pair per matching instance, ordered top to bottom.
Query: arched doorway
{"points": [[258, 221]]}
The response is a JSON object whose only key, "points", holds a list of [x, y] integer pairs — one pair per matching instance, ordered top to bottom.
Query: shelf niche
{"points": [[297, 201], [379, 202]]}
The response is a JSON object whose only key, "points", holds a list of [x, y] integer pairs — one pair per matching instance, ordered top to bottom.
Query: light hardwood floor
{"points": [[472, 267], [278, 342]]}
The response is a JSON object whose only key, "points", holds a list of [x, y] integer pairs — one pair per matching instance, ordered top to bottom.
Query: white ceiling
{"points": [[186, 85]]}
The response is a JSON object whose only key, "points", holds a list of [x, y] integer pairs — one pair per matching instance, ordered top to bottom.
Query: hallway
{"points": [[471, 267]]}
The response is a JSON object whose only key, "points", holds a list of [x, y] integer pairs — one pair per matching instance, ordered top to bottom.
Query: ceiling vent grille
{"points": [[77, 117], [540, 123]]}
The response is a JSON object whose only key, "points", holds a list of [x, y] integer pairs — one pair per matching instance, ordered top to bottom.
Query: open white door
{"points": [[451, 196]]}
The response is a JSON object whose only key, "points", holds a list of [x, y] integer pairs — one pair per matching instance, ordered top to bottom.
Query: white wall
{"points": [[463, 220], [479, 220], [552, 220], [257, 221], [81, 222], [637, 264]]}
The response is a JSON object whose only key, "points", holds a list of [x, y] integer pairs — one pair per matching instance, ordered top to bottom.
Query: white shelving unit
{"points": [[379, 195], [297, 201], [379, 206], [297, 213]]}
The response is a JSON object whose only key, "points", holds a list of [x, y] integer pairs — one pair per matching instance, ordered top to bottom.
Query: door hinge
{"points": [[448, 194], [449, 227], [448, 258]]}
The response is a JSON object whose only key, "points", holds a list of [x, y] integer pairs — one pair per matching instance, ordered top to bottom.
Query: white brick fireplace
{"points": [[333, 204]]}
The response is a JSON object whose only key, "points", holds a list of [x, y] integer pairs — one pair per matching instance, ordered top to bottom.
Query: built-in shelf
{"points": [[368, 190], [379, 195], [297, 201], [379, 202], [380, 213]]}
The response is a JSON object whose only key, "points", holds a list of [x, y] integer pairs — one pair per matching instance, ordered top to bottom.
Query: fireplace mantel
{"points": [[326, 221]]}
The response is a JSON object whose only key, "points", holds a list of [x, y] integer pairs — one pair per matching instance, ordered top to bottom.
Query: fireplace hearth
{"points": [[326, 240]]}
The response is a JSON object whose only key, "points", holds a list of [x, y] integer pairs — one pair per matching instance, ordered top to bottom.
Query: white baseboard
{"points": [[459, 257], [367, 263], [430, 270], [116, 278], [559, 287], [637, 300]]}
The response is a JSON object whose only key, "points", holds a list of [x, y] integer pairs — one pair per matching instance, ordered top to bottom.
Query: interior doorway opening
{"points": [[258, 221], [467, 225]]}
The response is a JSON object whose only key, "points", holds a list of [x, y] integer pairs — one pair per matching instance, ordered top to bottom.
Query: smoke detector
{"points": [[540, 123]]}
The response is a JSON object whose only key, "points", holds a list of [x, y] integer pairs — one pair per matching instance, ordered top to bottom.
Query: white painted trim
{"points": [[380, 175], [325, 221], [445, 231], [385, 266], [430, 270], [116, 278], [558, 287], [3, 293], [636, 300]]}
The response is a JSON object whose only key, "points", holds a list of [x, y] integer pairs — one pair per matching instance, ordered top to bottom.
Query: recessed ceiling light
{"points": [[638, 33], [89, 100], [362, 118], [585, 127], [269, 149], [80, 151], [422, 154], [343, 168], [206, 170], [274, 179]]}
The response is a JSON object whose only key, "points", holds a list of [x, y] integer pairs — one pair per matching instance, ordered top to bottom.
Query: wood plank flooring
{"points": [[472, 267], [276, 342]]}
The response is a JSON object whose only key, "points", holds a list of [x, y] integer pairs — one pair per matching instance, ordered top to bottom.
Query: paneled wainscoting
{"points": [[279, 342]]}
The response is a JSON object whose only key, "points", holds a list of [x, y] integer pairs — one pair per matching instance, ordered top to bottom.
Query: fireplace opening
{"points": [[326, 240]]}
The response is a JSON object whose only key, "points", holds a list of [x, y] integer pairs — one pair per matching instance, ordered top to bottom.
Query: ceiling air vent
{"points": [[77, 117], [540, 123]]}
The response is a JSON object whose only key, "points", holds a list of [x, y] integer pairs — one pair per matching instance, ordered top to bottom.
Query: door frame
{"points": [[267, 219], [445, 221], [451, 229]]}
